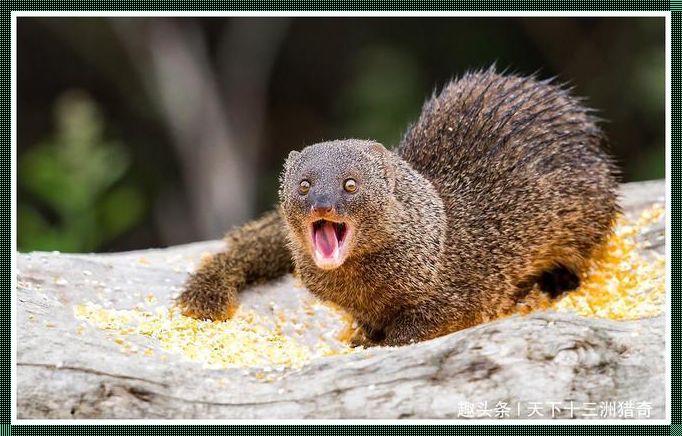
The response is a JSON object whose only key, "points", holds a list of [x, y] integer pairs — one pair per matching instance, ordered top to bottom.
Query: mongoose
{"points": [[501, 184]]}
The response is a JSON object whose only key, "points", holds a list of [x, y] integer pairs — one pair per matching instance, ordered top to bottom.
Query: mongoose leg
{"points": [[256, 251], [558, 280], [408, 327], [367, 336]]}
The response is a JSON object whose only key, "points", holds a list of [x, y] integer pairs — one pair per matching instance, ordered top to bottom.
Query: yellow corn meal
{"points": [[620, 284], [247, 340]]}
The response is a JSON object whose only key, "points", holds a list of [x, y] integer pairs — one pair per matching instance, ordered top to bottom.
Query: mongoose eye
{"points": [[350, 186], [304, 187]]}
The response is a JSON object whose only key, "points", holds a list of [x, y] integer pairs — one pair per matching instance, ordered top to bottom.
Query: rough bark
{"points": [[544, 357]]}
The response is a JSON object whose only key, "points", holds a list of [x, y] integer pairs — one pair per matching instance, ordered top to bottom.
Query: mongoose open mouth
{"points": [[329, 243]]}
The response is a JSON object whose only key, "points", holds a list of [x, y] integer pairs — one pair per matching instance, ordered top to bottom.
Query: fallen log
{"points": [[543, 365]]}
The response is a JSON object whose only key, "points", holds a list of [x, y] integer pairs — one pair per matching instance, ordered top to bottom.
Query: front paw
{"points": [[207, 296], [366, 337], [360, 339]]}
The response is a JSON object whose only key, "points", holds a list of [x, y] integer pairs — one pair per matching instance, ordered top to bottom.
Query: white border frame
{"points": [[13, 99]]}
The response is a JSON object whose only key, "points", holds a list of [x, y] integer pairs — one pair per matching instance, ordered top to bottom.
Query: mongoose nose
{"points": [[322, 205], [322, 208]]}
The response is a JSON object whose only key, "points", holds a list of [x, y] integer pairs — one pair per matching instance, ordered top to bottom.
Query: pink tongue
{"points": [[325, 240]]}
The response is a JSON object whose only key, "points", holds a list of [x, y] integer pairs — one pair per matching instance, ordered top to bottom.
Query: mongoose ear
{"points": [[293, 156], [288, 162], [387, 163]]}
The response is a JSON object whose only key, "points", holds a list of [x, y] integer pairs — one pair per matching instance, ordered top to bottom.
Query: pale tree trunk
{"points": [[215, 114]]}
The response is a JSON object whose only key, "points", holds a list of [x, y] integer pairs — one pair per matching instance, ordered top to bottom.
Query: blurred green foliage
{"points": [[327, 78], [384, 90], [649, 92], [76, 179]]}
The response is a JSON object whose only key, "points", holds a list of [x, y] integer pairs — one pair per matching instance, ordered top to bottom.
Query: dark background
{"points": [[141, 132]]}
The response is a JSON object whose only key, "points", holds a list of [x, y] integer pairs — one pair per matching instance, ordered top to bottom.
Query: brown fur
{"points": [[500, 182]]}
